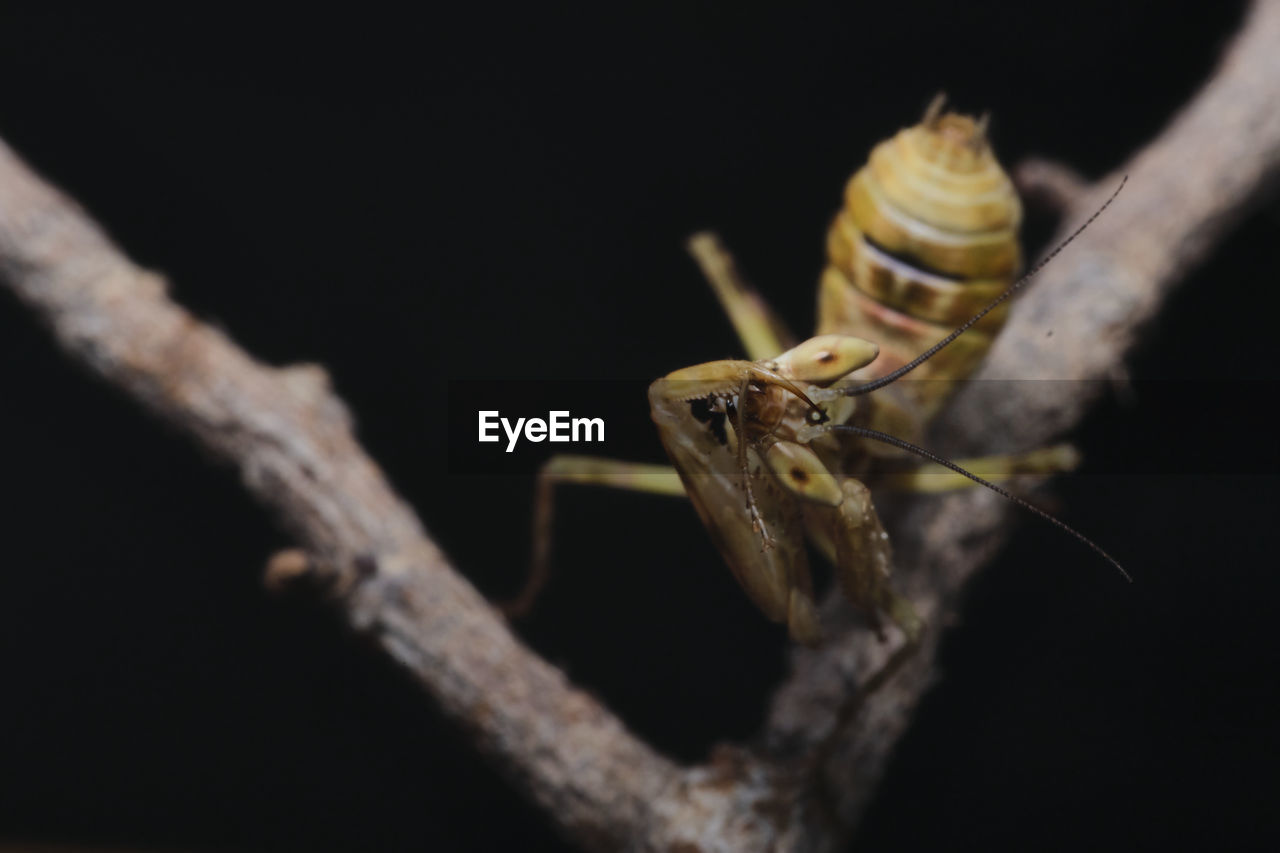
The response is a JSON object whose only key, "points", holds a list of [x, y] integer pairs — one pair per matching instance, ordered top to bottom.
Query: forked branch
{"points": [[291, 439]]}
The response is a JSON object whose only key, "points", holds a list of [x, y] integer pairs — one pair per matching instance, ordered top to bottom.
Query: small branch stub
{"points": [[287, 569]]}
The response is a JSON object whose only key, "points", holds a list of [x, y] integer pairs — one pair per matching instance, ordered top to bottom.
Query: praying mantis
{"points": [[788, 445]]}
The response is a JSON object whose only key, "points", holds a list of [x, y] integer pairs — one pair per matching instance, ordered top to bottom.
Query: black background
{"points": [[502, 194]]}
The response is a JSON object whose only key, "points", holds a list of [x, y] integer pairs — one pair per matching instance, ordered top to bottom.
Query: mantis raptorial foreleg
{"points": [[853, 540]]}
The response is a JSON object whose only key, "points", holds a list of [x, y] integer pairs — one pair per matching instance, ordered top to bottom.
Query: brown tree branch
{"points": [[1216, 159], [291, 439]]}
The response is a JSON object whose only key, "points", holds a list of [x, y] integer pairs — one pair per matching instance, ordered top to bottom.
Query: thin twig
{"points": [[1052, 184]]}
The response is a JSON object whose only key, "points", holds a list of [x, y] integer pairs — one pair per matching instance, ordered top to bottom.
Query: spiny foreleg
{"points": [[864, 559]]}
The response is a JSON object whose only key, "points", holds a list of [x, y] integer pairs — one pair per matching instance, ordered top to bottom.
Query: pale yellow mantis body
{"points": [[780, 449]]}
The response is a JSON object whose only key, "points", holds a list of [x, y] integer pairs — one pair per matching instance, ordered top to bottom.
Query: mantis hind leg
{"points": [[762, 333], [584, 471]]}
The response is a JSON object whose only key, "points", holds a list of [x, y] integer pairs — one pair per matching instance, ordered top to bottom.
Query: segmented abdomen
{"points": [[927, 237]]}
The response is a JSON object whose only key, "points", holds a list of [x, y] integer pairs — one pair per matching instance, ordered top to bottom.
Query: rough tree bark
{"points": [[291, 439]]}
